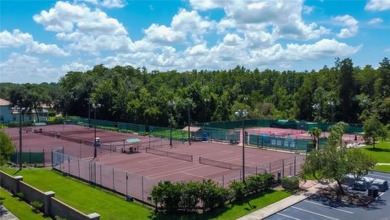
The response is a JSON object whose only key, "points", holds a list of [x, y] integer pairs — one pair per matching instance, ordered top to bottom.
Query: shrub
{"points": [[290, 183], [238, 190], [190, 193], [20, 195], [167, 195], [212, 195], [37, 206]]}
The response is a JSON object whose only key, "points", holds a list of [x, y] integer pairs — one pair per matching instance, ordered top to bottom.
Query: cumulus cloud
{"points": [[107, 3], [377, 5], [284, 15], [374, 21], [350, 24], [87, 30], [18, 39], [28, 69]]}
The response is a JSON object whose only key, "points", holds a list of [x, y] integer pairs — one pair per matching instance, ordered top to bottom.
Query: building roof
{"points": [[4, 102]]}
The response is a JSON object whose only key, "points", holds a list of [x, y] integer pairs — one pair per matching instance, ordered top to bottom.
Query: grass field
{"points": [[381, 153], [111, 206], [20, 209]]}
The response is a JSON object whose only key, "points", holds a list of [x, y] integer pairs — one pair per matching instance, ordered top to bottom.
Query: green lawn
{"points": [[381, 152], [383, 168], [111, 206], [19, 208]]}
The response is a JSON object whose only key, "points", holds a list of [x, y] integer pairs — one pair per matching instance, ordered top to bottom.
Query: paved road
{"points": [[317, 208]]}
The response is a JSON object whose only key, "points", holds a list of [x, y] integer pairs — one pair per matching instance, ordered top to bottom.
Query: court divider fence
{"points": [[32, 158], [135, 186]]}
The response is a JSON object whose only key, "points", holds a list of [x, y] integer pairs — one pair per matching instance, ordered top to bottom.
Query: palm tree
{"points": [[316, 133]]}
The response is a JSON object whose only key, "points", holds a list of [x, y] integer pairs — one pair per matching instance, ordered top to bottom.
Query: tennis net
{"points": [[186, 157], [225, 165]]}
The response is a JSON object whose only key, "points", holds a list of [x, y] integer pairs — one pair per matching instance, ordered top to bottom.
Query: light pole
{"points": [[171, 104], [18, 110], [242, 114], [95, 144]]}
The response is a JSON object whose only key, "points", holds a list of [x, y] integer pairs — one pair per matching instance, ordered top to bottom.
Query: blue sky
{"points": [[40, 41]]}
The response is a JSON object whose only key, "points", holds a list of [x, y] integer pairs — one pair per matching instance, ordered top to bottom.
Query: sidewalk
{"points": [[311, 187], [5, 214]]}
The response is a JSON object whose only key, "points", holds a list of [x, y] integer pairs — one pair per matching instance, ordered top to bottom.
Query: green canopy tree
{"points": [[373, 129], [316, 133], [6, 147], [334, 163]]}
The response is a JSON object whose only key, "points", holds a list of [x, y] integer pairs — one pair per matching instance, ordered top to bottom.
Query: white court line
{"points": [[319, 204], [315, 213], [287, 216]]}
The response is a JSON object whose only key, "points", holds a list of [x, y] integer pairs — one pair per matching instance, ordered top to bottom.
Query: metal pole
{"points": [[89, 115], [189, 127], [170, 134], [20, 139], [95, 150], [243, 152]]}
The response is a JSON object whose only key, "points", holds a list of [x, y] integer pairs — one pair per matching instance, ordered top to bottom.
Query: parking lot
{"points": [[321, 208]]}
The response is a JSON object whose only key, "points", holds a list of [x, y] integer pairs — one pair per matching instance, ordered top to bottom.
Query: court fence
{"points": [[29, 157], [135, 186]]}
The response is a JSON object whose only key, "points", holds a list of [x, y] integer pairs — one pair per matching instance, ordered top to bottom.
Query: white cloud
{"points": [[107, 3], [206, 4], [377, 5], [307, 9], [283, 15], [374, 21], [350, 24], [87, 30], [163, 34], [14, 39], [18, 39], [75, 66], [27, 69]]}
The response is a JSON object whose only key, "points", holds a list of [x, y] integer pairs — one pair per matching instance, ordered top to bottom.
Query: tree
{"points": [[373, 129], [316, 133], [336, 134], [6, 147], [334, 163]]}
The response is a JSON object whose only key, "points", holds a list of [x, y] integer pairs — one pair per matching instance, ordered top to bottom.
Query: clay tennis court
{"points": [[134, 174]]}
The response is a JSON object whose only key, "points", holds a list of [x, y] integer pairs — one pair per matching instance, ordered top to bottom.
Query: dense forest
{"points": [[340, 93]]}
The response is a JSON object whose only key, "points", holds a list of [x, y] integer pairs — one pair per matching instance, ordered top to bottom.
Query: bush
{"points": [[290, 183], [238, 190], [190, 193], [20, 195], [166, 195], [212, 195], [37, 206]]}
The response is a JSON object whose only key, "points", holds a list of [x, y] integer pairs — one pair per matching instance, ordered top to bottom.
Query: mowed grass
{"points": [[381, 152], [383, 168], [81, 196], [111, 206], [19, 208]]}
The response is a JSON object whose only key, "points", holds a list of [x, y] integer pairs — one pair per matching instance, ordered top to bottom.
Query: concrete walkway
{"points": [[381, 164], [309, 187], [6, 215]]}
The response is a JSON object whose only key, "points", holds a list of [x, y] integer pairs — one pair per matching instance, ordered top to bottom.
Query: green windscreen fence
{"points": [[28, 157]]}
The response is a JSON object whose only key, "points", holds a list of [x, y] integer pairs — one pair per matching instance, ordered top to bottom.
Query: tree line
{"points": [[341, 93]]}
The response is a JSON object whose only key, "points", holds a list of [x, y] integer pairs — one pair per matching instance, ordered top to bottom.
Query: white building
{"points": [[7, 116]]}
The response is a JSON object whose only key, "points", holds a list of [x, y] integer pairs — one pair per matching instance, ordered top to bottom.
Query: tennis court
{"points": [[134, 174]]}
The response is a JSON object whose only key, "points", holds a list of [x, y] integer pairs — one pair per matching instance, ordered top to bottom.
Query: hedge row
{"points": [[208, 195]]}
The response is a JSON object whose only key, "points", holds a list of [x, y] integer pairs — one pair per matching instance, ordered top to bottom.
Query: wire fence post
{"points": [[295, 165], [78, 166], [269, 167], [282, 167], [113, 178], [223, 181], [142, 188]]}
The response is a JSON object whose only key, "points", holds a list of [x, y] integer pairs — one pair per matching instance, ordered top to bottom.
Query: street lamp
{"points": [[171, 104], [95, 106], [18, 110], [242, 114]]}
